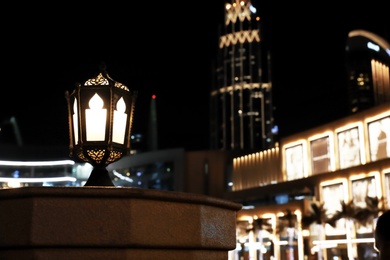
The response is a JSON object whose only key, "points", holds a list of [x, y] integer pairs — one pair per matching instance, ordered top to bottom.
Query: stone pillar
{"points": [[66, 223]]}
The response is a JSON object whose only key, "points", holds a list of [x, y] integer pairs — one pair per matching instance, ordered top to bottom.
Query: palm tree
{"points": [[374, 206], [348, 212], [317, 216], [288, 221], [260, 224], [242, 229]]}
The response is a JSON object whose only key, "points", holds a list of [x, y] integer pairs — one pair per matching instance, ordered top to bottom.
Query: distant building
{"points": [[367, 60], [241, 106], [339, 171]]}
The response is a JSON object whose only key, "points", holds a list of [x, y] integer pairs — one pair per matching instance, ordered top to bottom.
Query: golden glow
{"points": [[239, 10], [239, 37], [373, 37], [101, 80], [251, 86], [377, 116], [95, 118], [119, 122], [347, 132], [98, 134], [377, 134], [331, 153], [295, 163], [253, 165], [267, 166], [387, 170], [246, 174], [341, 181], [378, 184], [364, 185], [385, 186], [332, 194], [332, 197], [305, 233], [300, 245]]}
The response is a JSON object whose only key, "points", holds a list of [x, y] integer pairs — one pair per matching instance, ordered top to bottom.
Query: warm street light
{"points": [[100, 115]]}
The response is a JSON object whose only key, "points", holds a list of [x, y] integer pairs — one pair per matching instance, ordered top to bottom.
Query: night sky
{"points": [[168, 50]]}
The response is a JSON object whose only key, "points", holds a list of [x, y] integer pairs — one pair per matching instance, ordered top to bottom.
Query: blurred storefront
{"points": [[329, 183]]}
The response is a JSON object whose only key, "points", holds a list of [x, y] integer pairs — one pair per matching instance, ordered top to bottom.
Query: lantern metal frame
{"points": [[102, 148]]}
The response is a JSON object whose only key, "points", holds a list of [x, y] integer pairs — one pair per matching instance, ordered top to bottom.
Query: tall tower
{"points": [[368, 60], [241, 110], [152, 129]]}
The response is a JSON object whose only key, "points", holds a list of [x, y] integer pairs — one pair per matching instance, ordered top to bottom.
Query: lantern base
{"points": [[99, 177]]}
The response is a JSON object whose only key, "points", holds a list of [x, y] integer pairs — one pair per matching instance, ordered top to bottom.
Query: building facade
{"points": [[241, 99], [318, 193]]}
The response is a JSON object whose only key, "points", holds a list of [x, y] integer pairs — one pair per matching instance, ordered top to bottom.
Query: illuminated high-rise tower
{"points": [[368, 60], [241, 98]]}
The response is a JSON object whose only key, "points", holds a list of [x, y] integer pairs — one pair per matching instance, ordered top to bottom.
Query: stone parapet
{"points": [[114, 223]]}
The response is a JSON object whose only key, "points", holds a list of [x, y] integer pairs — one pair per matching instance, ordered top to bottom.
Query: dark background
{"points": [[168, 50]]}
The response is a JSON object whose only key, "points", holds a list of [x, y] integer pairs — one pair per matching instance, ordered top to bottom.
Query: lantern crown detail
{"points": [[101, 79]]}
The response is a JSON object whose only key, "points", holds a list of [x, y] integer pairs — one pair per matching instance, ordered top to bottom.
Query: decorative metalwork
{"points": [[241, 37], [103, 80], [96, 155]]}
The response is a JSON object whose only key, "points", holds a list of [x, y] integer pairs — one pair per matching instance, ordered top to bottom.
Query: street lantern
{"points": [[100, 114]]}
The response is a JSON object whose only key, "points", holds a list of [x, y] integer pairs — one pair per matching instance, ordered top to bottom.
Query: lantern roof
{"points": [[104, 79]]}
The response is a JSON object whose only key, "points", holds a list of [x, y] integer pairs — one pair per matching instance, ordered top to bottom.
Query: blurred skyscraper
{"points": [[367, 60], [241, 98]]}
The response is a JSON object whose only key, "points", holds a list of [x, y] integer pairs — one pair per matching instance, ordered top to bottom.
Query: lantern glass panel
{"points": [[95, 118], [120, 120], [75, 122]]}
